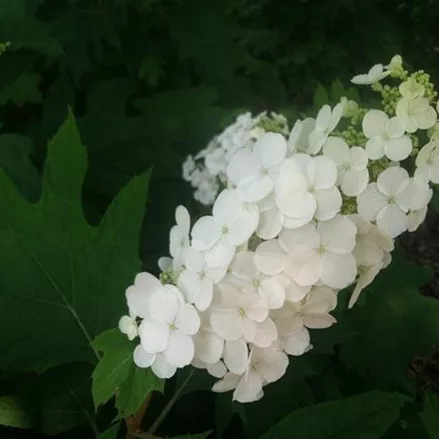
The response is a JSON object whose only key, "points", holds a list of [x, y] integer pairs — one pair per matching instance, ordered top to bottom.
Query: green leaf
{"points": [[151, 69], [23, 89], [321, 97], [15, 150], [71, 277], [393, 323], [112, 371], [117, 374], [59, 399], [13, 413], [430, 415], [366, 416], [111, 433]]}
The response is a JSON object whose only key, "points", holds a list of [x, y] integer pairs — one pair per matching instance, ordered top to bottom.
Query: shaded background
{"points": [[151, 81]]}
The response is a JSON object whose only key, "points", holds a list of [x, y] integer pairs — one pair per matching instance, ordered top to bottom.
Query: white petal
{"points": [[323, 119], [375, 123], [395, 127], [375, 148], [270, 149], [337, 149], [398, 149], [358, 158], [242, 165], [322, 172], [291, 178], [392, 181], [354, 182], [255, 187], [329, 202], [370, 202], [228, 206], [297, 206], [183, 219], [392, 220], [270, 224], [242, 228], [205, 233], [338, 235], [306, 236], [220, 255], [269, 257], [193, 260], [164, 263], [303, 266], [337, 271], [364, 280], [273, 292], [295, 293], [321, 299], [163, 305], [254, 306], [187, 320], [318, 321], [227, 324], [266, 334], [153, 336], [296, 344], [208, 347], [180, 350], [236, 356], [142, 358], [274, 366], [162, 368], [217, 370], [229, 382], [248, 389]]}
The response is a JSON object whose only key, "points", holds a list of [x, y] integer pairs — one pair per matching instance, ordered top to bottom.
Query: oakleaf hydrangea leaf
{"points": [[62, 280], [116, 374], [365, 416]]}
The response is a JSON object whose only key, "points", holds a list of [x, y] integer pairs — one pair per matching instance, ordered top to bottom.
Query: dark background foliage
{"points": [[151, 81]]}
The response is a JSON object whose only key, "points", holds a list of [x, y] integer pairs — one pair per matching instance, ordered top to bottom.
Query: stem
{"points": [[169, 405], [133, 422]]}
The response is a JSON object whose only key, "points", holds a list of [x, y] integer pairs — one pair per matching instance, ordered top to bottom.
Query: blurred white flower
{"points": [[375, 74], [386, 136], [427, 163], [353, 174]]}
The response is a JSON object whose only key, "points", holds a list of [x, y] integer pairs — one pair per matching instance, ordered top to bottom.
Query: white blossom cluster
{"points": [[207, 170], [301, 217]]}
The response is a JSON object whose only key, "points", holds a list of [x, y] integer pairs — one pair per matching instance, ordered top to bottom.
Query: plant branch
{"points": [[169, 405], [134, 422]]}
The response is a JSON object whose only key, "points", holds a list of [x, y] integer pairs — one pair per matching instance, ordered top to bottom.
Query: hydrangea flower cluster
{"points": [[207, 170], [301, 217]]}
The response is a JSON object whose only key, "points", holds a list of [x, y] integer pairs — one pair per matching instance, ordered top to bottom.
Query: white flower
{"points": [[395, 65], [375, 74], [411, 89], [350, 108], [417, 113], [326, 121], [386, 136], [298, 138], [215, 160], [427, 163], [188, 168], [254, 172], [353, 174], [306, 188], [206, 192], [389, 199], [231, 225], [179, 235], [372, 244], [322, 253], [245, 275], [366, 276], [197, 279], [138, 295], [241, 314], [128, 326], [169, 327], [158, 363], [265, 366]]}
